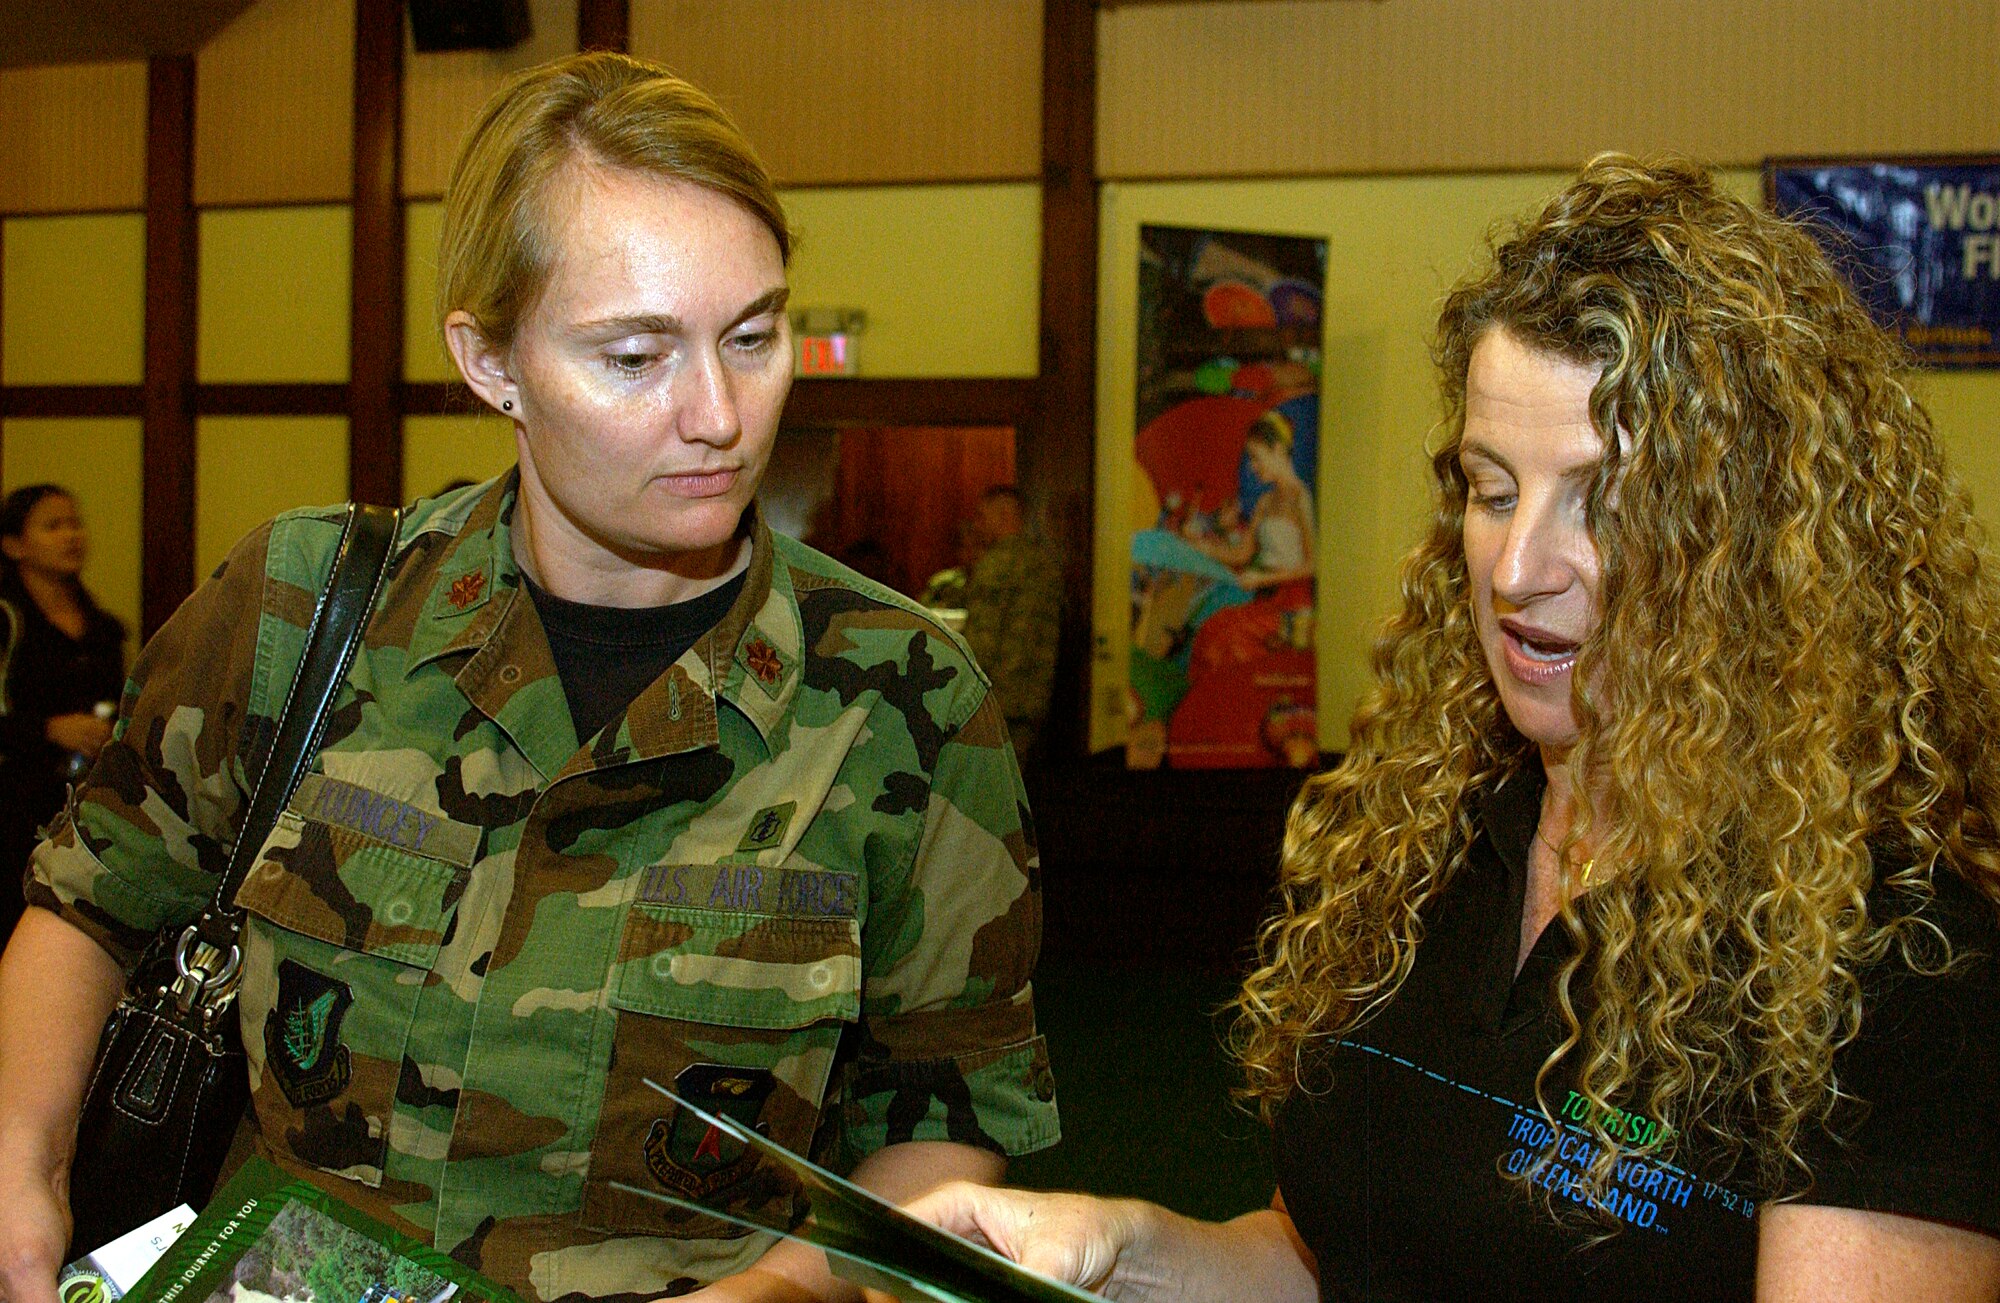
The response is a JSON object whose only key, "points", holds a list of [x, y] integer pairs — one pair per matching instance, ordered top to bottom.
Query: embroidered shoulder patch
{"points": [[302, 1035], [687, 1154]]}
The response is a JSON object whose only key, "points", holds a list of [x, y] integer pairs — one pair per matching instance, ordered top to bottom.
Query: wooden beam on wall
{"points": [[604, 25], [3, 357], [375, 358], [280, 399], [73, 400], [822, 402], [1056, 453], [167, 501]]}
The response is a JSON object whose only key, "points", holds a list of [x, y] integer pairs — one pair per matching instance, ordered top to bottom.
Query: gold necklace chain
{"points": [[1588, 864]]}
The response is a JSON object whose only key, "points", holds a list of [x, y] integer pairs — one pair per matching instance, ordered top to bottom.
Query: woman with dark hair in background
{"points": [[62, 666]]}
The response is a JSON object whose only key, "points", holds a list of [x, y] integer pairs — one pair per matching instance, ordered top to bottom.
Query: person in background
{"points": [[945, 590], [1013, 613], [62, 668], [620, 788], [1646, 945]]}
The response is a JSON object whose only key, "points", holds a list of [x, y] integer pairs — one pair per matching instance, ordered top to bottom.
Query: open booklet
{"points": [[269, 1237], [875, 1244]]}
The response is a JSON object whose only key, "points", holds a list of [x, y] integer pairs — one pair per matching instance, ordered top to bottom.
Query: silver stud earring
{"points": [[507, 406]]}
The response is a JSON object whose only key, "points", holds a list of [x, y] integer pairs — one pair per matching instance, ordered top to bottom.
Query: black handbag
{"points": [[170, 1082]]}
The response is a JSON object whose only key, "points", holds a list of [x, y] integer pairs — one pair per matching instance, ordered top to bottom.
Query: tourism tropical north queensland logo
{"points": [[302, 1035]]}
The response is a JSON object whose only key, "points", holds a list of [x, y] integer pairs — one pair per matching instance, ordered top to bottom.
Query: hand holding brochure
{"points": [[268, 1234], [876, 1244]]}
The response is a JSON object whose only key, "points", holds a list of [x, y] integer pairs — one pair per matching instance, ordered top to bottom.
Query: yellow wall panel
{"points": [[1305, 87], [853, 91], [443, 92], [274, 106], [73, 137], [1395, 244], [950, 276], [275, 294], [73, 303], [424, 357], [1965, 406], [440, 449], [99, 462], [250, 468]]}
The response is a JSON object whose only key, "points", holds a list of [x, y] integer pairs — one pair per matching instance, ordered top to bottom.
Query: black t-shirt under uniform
{"points": [[607, 655], [1394, 1154]]}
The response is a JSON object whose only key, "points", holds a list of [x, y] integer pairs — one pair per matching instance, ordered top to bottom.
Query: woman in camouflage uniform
{"points": [[621, 786]]}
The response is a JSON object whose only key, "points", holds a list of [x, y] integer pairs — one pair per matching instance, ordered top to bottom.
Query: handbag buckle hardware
{"points": [[200, 981]]}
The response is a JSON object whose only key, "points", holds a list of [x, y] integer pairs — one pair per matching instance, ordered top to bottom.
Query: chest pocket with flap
{"points": [[343, 931], [739, 1012]]}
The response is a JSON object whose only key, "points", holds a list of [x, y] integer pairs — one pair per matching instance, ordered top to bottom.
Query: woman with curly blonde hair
{"points": [[1643, 946]]}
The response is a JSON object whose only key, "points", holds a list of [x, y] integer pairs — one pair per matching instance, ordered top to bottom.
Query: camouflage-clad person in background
{"points": [[1013, 613], [622, 787]]}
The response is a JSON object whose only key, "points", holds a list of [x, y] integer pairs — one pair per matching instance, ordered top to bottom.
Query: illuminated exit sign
{"points": [[826, 341], [826, 355]]}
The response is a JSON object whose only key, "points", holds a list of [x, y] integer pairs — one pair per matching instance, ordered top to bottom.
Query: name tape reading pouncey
{"points": [[399, 823], [747, 888]]}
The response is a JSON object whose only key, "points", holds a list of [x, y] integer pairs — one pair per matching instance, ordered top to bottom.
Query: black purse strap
{"points": [[359, 568]]}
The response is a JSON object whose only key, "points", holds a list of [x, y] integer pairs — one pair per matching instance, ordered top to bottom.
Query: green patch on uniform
{"points": [[768, 827], [302, 1035], [694, 1157]]}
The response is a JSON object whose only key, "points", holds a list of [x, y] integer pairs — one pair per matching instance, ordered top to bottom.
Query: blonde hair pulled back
{"points": [[609, 110]]}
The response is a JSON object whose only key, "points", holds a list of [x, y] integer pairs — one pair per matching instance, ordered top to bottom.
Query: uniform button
{"points": [[510, 674], [398, 912], [663, 965], [820, 975], [1045, 1085]]}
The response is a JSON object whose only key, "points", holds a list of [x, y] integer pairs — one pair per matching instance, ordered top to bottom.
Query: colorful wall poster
{"points": [[1917, 239], [1223, 556]]}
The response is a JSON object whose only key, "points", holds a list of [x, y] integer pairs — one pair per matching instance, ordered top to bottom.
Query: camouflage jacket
{"points": [[1013, 613], [794, 881]]}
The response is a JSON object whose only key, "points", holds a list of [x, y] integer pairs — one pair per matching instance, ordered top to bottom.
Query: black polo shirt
{"points": [[1395, 1151]]}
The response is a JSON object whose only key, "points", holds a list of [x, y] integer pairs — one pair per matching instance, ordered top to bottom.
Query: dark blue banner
{"points": [[1919, 240]]}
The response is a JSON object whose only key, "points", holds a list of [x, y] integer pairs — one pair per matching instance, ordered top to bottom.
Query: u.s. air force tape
{"points": [[751, 889]]}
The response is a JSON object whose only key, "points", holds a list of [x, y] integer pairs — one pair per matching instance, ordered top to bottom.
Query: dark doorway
{"points": [[887, 500]]}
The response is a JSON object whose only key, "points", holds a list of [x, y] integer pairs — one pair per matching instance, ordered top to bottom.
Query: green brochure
{"points": [[268, 1233], [875, 1244]]}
